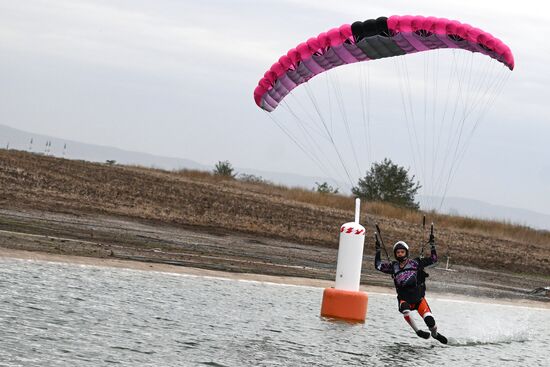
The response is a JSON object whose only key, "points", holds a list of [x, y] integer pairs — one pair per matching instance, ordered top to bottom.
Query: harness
{"points": [[421, 275]]}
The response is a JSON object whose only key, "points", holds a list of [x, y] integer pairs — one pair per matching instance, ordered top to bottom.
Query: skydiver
{"points": [[409, 279]]}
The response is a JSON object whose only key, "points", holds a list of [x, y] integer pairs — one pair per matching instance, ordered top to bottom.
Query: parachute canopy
{"points": [[370, 40], [350, 117]]}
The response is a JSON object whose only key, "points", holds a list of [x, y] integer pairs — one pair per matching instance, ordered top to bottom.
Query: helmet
{"points": [[401, 245]]}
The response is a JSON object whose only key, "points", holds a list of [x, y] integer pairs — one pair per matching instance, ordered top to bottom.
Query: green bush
{"points": [[224, 169], [390, 183], [325, 188]]}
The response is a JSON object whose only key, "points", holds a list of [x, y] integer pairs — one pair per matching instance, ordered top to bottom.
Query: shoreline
{"points": [[103, 240], [6, 253]]}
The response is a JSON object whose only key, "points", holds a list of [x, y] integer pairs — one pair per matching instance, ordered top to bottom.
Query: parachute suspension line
{"points": [[436, 55], [430, 79], [485, 82], [496, 86], [493, 88], [496, 89], [473, 98], [466, 100], [340, 101], [466, 103], [329, 104], [411, 104], [316, 106], [365, 108], [363, 112], [406, 112], [444, 115], [458, 119], [369, 120], [462, 121], [303, 124], [314, 124], [446, 124], [369, 125], [454, 125], [440, 127], [286, 131], [327, 131], [309, 138], [309, 153], [313, 158], [426, 186], [378, 235]]}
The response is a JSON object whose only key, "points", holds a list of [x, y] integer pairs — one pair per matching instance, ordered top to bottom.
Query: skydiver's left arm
{"points": [[427, 261]]}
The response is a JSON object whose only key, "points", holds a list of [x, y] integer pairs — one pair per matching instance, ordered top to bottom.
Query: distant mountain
{"points": [[21, 140], [479, 209]]}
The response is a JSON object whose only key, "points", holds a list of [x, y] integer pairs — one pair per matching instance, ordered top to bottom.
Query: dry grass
{"points": [[205, 201], [496, 228]]}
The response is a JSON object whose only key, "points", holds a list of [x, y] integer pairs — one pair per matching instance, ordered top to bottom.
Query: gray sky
{"points": [[175, 78]]}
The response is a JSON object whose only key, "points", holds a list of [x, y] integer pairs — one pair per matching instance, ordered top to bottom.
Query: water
{"points": [[73, 315]]}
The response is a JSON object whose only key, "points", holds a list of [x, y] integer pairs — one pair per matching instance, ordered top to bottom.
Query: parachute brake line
{"points": [[378, 234], [431, 234], [422, 237]]}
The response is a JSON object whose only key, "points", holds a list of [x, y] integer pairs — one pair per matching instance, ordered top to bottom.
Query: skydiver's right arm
{"points": [[383, 266]]}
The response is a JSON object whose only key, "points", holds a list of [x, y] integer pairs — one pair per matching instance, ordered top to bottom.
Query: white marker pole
{"points": [[357, 209], [350, 253], [345, 301]]}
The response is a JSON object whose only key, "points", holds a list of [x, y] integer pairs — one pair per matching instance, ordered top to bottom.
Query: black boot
{"points": [[423, 334], [438, 336], [441, 338]]}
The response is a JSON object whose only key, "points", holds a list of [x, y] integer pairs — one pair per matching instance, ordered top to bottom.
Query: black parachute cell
{"points": [[382, 25], [370, 28], [357, 30], [374, 38]]}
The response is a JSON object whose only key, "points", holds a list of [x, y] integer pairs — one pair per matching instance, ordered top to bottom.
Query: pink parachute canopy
{"points": [[369, 40]]}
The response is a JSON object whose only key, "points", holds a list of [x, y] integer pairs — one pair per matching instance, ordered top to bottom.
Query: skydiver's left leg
{"points": [[405, 309], [426, 313]]}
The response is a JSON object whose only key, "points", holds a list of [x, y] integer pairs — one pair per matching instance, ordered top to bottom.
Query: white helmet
{"points": [[401, 245]]}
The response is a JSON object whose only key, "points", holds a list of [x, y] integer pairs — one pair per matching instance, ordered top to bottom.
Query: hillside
{"points": [[202, 202]]}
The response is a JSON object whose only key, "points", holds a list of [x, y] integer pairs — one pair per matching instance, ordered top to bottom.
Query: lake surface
{"points": [[74, 315]]}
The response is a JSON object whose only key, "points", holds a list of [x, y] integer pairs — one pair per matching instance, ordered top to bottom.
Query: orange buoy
{"points": [[345, 301], [344, 305]]}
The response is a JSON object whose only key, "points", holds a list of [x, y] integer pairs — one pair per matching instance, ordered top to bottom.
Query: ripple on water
{"points": [[66, 315]]}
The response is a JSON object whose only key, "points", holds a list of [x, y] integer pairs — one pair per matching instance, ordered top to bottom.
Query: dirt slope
{"points": [[54, 185]]}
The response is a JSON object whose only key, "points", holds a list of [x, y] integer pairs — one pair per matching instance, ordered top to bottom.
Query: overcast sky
{"points": [[175, 78]]}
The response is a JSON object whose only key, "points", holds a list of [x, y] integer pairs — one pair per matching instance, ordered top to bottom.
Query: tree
{"points": [[224, 169], [245, 177], [388, 182], [325, 188]]}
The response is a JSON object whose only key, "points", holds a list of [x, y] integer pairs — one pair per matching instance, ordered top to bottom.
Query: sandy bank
{"points": [[295, 281]]}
